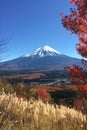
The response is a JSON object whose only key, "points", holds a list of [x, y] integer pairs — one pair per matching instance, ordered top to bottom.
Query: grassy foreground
{"points": [[19, 114]]}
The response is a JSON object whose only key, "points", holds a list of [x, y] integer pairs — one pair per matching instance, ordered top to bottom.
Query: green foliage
{"points": [[32, 92]]}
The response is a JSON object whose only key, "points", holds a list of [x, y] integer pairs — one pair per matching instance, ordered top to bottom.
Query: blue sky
{"points": [[29, 24]]}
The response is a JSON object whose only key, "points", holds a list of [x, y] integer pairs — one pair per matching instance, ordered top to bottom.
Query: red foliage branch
{"points": [[76, 23], [82, 49], [76, 74], [78, 77], [83, 90]]}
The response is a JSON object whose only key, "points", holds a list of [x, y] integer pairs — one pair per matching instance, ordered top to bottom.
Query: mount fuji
{"points": [[43, 52], [42, 58]]}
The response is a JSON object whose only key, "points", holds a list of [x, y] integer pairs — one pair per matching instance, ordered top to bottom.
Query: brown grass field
{"points": [[22, 76], [20, 114]]}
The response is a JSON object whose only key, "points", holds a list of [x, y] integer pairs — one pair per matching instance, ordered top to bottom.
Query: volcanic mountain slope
{"points": [[42, 58]]}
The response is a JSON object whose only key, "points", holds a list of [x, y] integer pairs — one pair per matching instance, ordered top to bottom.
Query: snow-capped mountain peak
{"points": [[44, 51]]}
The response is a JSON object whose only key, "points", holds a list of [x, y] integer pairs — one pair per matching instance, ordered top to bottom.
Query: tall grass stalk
{"points": [[19, 114]]}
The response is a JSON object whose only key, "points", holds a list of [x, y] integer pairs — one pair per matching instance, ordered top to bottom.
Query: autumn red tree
{"points": [[76, 22], [76, 74], [42, 94]]}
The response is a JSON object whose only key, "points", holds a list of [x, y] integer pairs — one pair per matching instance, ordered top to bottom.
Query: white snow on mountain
{"points": [[44, 51]]}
